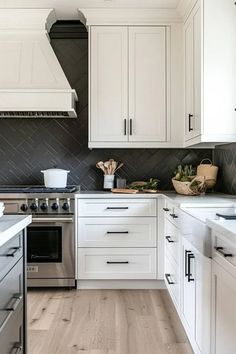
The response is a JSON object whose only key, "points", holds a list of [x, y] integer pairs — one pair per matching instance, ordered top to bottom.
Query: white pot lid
{"points": [[55, 170]]}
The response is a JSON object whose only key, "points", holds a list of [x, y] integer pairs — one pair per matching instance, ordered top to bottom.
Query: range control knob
{"points": [[33, 206], [44, 206], [54, 206], [65, 206], [24, 207]]}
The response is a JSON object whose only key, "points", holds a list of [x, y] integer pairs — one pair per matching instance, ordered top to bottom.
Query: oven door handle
{"points": [[52, 219]]}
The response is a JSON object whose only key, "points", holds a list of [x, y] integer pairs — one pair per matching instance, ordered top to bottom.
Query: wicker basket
{"points": [[209, 172], [184, 188]]}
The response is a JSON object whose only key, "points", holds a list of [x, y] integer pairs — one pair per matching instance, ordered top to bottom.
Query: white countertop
{"points": [[10, 225], [226, 228]]}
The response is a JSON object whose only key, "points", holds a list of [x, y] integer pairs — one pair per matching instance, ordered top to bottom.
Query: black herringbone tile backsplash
{"points": [[30, 145]]}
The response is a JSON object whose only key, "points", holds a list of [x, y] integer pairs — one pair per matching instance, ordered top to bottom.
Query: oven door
{"points": [[50, 250]]}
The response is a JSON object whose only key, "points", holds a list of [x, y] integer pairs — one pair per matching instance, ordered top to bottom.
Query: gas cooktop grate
{"points": [[36, 189]]}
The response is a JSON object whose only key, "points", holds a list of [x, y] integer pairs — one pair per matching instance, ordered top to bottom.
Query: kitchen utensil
{"points": [[100, 165], [119, 166], [55, 178]]}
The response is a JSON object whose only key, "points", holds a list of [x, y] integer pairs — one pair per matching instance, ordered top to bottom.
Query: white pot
{"points": [[55, 178]]}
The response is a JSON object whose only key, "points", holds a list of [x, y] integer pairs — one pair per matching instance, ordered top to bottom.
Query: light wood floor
{"points": [[104, 322]]}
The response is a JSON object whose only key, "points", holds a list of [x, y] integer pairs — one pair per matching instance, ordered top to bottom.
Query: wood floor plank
{"points": [[104, 322]]}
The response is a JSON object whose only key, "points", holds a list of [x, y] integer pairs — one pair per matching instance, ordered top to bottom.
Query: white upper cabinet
{"points": [[192, 57], [135, 78], [109, 83], [147, 84], [127, 85], [210, 85]]}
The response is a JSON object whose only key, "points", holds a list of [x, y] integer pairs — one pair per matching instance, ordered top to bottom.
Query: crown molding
{"points": [[184, 8], [128, 16]]}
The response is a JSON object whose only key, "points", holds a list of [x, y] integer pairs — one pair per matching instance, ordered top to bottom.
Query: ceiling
{"points": [[67, 9]]}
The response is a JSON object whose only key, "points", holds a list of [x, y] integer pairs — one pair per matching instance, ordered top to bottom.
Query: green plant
{"points": [[185, 173], [151, 184]]}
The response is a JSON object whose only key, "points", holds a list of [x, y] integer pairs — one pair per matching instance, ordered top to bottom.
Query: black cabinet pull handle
{"points": [[190, 116], [125, 126], [130, 127], [117, 208], [166, 209], [174, 216], [117, 232], [169, 239], [221, 251], [14, 252], [190, 256], [125, 262], [186, 265], [167, 276], [16, 300], [17, 349]]}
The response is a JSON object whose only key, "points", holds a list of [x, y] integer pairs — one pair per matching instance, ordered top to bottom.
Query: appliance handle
{"points": [[52, 219]]}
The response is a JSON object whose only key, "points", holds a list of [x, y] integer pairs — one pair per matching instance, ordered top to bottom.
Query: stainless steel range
{"points": [[51, 236]]}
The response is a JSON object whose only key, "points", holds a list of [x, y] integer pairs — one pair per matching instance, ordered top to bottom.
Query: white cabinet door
{"points": [[192, 46], [108, 83], [147, 84], [188, 289], [196, 297], [203, 302], [224, 311]]}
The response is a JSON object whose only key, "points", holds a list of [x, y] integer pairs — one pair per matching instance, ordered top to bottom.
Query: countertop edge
{"points": [[21, 222]]}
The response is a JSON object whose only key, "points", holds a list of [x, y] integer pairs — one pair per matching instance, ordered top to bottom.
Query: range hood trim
{"points": [[31, 78]]}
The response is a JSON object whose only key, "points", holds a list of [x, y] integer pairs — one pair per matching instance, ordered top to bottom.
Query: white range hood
{"points": [[32, 82]]}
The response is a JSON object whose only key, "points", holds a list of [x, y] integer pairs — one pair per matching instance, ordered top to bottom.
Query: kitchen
{"points": [[145, 83]]}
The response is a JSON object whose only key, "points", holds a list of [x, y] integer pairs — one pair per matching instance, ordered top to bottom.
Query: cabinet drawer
{"points": [[116, 207], [171, 213], [117, 232], [172, 241], [224, 252], [10, 253], [117, 263], [172, 281], [11, 290], [11, 332]]}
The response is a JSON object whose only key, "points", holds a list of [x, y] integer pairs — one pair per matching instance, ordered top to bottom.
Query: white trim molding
{"points": [[128, 16]]}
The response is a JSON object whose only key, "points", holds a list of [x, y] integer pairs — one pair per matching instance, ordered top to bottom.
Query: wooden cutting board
{"points": [[124, 190]]}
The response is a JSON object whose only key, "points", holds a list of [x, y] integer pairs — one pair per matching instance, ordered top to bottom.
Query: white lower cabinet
{"points": [[117, 232], [117, 238], [117, 263], [172, 280], [188, 281], [196, 297], [223, 301], [224, 311]]}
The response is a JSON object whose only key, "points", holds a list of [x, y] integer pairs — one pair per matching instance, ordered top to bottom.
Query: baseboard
{"points": [[120, 284]]}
